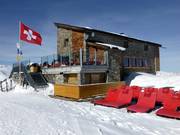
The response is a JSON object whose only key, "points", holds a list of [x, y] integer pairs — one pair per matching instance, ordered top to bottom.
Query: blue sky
{"points": [[153, 20]]}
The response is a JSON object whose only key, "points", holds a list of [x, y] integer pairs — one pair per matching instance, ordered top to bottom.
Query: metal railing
{"points": [[75, 58]]}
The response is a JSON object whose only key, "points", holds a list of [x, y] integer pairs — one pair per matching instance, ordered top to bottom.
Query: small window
{"points": [[66, 41], [126, 45], [146, 47], [126, 62], [132, 62], [139, 62], [145, 63]]}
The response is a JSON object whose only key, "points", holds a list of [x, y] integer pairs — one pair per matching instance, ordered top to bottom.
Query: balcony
{"points": [[75, 62]]}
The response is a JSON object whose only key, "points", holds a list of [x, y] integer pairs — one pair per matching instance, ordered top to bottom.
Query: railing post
{"points": [[95, 57], [107, 57], [61, 59], [47, 60], [41, 62], [53, 62], [81, 62], [10, 84], [1, 85], [6, 85]]}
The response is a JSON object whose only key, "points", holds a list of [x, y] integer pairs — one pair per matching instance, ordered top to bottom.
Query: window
{"points": [[66, 41], [126, 45], [146, 47], [126, 62], [132, 62], [135, 62], [139, 62], [145, 62]]}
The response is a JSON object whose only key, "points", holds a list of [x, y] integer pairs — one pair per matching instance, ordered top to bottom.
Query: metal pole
{"points": [[19, 54], [95, 56], [69, 57], [81, 57], [107, 57], [61, 59], [53, 62], [1, 85]]}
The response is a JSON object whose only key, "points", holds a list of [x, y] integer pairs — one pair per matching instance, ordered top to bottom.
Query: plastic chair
{"points": [[164, 94], [123, 98], [146, 102], [170, 107]]}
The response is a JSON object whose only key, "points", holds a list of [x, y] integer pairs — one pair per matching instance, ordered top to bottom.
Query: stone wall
{"points": [[63, 34], [77, 41], [135, 49], [115, 60]]}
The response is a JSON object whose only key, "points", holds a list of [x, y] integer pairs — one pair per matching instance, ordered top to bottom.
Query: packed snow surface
{"points": [[26, 112], [30, 113]]}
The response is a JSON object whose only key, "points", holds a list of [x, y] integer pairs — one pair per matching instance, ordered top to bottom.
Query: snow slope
{"points": [[4, 71], [161, 79], [35, 114]]}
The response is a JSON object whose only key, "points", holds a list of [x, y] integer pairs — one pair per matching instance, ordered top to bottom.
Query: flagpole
{"points": [[19, 54]]}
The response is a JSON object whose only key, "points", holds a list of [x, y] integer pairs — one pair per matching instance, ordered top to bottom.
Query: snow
{"points": [[112, 46], [4, 72], [161, 79], [26, 112], [32, 113]]}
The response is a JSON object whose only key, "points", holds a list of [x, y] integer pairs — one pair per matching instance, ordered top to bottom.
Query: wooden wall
{"points": [[83, 91]]}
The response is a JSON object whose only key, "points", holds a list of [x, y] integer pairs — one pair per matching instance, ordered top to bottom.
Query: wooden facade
{"points": [[83, 91]]}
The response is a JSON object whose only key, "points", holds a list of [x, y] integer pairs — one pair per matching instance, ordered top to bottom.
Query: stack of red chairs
{"points": [[146, 102], [170, 107]]}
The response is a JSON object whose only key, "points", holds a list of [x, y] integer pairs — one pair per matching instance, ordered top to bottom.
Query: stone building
{"points": [[90, 56], [94, 56]]}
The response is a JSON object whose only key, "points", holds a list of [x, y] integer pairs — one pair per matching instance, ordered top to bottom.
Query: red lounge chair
{"points": [[151, 89], [164, 94], [111, 96], [123, 97], [146, 102], [170, 107]]}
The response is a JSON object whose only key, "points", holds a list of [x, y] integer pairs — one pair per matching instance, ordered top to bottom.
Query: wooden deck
{"points": [[83, 91]]}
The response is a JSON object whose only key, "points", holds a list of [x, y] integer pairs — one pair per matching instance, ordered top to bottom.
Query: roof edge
{"points": [[83, 29]]}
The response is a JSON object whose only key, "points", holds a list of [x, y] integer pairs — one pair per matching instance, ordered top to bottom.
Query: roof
{"points": [[87, 29], [112, 46]]}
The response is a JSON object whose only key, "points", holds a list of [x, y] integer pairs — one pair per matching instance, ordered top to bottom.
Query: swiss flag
{"points": [[29, 35]]}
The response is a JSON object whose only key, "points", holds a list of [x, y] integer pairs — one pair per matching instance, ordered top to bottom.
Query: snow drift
{"points": [[161, 79]]}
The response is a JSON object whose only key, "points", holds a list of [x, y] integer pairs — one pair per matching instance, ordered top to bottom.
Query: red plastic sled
{"points": [[123, 98], [145, 103], [170, 107]]}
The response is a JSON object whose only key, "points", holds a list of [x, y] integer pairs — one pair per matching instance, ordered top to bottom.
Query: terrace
{"points": [[93, 60]]}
